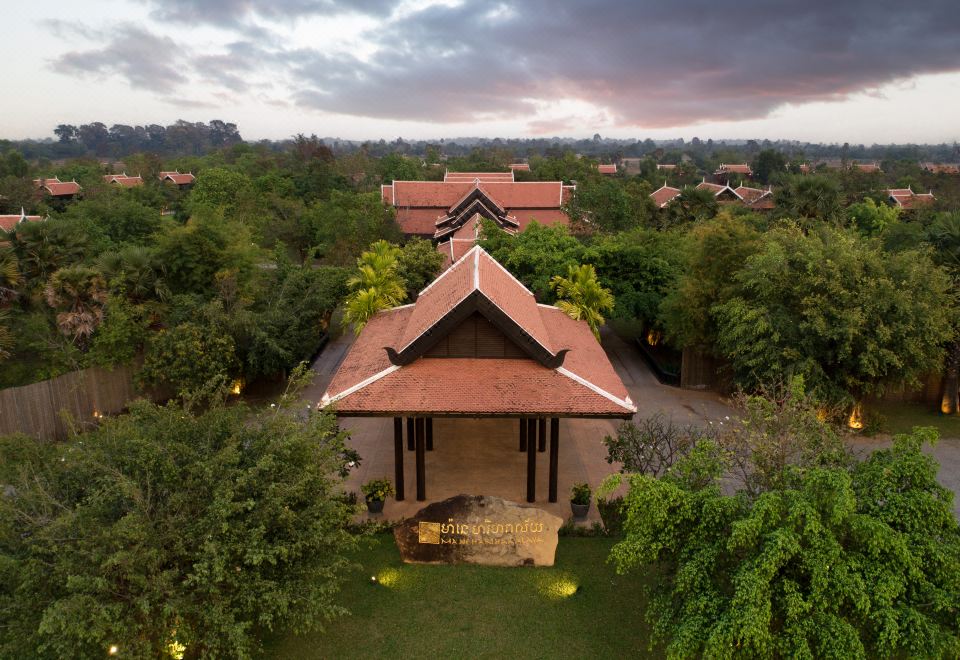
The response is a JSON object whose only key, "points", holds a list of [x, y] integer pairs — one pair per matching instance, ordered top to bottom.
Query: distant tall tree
{"points": [[768, 163]]}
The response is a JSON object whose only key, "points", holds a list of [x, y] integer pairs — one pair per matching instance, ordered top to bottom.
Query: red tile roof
{"points": [[520, 167], [866, 167], [604, 168], [941, 168], [483, 177], [177, 178], [124, 180], [57, 188], [715, 188], [439, 194], [664, 195], [751, 195], [905, 198], [548, 217], [8, 222], [367, 383]]}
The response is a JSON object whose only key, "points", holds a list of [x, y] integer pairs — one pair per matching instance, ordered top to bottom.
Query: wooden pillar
{"points": [[410, 433], [429, 433], [523, 434], [542, 434], [398, 456], [554, 456], [421, 461], [531, 464]]}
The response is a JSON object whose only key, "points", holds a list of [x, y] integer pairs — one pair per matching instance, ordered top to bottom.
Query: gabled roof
{"points": [[605, 168], [177, 177], [482, 177], [124, 180], [57, 188], [717, 189], [440, 194], [664, 195], [905, 198], [9, 222], [565, 374]]}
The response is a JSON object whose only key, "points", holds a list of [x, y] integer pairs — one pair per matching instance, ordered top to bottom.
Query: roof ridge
{"points": [[625, 403]]}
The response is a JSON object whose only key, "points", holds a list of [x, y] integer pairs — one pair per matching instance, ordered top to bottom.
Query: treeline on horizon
{"points": [[184, 138]]}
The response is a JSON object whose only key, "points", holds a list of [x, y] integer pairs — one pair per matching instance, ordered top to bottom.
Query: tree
{"points": [[768, 163], [219, 187], [810, 198], [602, 204], [690, 206], [870, 218], [122, 219], [348, 222], [944, 234], [43, 247], [715, 251], [534, 255], [418, 264], [376, 286], [78, 294], [580, 296], [836, 309], [189, 357], [168, 533], [839, 561]]}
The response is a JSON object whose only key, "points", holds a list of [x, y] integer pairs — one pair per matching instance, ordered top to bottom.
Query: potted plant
{"points": [[375, 492], [580, 500]]}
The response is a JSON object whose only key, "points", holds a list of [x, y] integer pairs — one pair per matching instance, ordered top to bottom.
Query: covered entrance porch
{"points": [[481, 456]]}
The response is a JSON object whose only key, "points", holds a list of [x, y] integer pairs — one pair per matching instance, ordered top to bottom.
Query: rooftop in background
{"points": [[520, 167], [607, 168], [734, 168], [941, 168], [482, 177], [178, 178], [124, 180], [57, 188], [664, 195], [906, 199], [436, 209], [9, 222], [477, 343]]}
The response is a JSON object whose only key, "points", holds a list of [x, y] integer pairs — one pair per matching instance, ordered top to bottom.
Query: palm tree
{"points": [[137, 272], [10, 277], [376, 286], [79, 293], [581, 297]]}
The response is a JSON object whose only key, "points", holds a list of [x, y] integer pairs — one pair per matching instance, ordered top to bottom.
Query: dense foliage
{"points": [[164, 530], [820, 556]]}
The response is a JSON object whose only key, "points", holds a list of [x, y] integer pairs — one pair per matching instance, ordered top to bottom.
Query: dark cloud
{"points": [[234, 13], [145, 60], [642, 63], [648, 63]]}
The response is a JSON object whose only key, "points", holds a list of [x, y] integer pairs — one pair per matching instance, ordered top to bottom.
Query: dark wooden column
{"points": [[410, 433], [429, 433], [523, 434], [542, 434], [398, 456], [554, 456], [421, 461], [531, 465]]}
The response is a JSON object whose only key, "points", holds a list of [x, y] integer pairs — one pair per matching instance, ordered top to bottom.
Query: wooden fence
{"points": [[39, 409]]}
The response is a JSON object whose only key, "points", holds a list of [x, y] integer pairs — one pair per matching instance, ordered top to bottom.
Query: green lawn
{"points": [[901, 417], [481, 612]]}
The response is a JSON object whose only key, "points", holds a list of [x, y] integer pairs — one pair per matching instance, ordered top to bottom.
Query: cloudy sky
{"points": [[839, 70]]}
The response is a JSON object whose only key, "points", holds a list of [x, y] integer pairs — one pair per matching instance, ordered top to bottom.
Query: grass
{"points": [[901, 417], [484, 612]]}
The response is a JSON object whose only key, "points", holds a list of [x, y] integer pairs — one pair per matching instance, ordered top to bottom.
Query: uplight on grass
{"points": [[389, 577], [558, 586]]}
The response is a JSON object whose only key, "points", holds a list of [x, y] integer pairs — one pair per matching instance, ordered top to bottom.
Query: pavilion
{"points": [[476, 344]]}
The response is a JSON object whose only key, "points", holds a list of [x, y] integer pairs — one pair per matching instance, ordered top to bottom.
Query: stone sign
{"points": [[476, 529]]}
